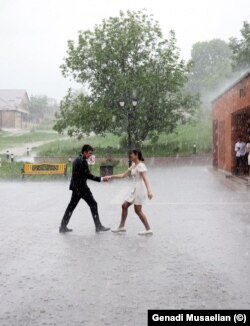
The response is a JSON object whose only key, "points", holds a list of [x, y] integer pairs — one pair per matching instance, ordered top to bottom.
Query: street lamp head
{"points": [[134, 101], [121, 102]]}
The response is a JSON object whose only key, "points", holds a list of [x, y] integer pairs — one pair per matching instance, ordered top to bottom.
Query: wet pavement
{"points": [[198, 257]]}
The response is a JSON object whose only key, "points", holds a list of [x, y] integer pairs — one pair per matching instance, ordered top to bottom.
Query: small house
{"points": [[14, 109]]}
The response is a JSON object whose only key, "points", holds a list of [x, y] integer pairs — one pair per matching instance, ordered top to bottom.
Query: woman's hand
{"points": [[150, 195]]}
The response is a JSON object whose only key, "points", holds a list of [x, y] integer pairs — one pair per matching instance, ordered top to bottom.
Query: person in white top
{"points": [[240, 151], [248, 154], [138, 192]]}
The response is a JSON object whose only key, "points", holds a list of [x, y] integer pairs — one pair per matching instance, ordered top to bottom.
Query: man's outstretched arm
{"points": [[90, 176]]}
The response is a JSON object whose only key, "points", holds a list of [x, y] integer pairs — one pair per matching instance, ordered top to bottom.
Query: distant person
{"points": [[194, 148], [240, 151], [248, 154], [80, 190], [138, 193]]}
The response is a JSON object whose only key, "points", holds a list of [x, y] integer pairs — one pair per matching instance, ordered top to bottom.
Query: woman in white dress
{"points": [[138, 193]]}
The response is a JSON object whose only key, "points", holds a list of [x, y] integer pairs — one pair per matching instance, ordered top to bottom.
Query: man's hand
{"points": [[106, 178]]}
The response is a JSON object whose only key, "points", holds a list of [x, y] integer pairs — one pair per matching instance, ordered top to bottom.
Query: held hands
{"points": [[106, 178]]}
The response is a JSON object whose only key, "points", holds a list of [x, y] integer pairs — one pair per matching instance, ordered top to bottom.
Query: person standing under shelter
{"points": [[240, 151], [248, 155]]}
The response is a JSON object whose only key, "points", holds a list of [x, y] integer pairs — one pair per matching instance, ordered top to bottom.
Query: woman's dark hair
{"points": [[87, 148], [138, 153]]}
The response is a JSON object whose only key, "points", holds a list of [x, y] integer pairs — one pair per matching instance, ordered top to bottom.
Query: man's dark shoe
{"points": [[101, 228], [64, 229]]}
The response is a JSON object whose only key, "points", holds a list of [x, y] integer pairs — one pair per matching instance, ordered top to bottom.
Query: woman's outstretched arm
{"points": [[120, 176], [145, 179]]}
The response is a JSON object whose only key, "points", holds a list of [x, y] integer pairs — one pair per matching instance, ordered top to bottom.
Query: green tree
{"points": [[241, 49], [125, 56], [210, 65], [38, 103], [41, 107]]}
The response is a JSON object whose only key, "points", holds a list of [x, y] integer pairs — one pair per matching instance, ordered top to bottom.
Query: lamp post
{"points": [[134, 104]]}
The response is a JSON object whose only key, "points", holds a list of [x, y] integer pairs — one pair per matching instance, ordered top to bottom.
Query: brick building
{"points": [[14, 109], [231, 118]]}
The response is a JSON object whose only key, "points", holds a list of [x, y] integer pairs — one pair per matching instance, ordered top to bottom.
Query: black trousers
{"points": [[241, 162], [75, 198]]}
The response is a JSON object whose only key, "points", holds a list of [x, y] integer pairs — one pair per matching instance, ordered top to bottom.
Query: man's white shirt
{"points": [[240, 149]]}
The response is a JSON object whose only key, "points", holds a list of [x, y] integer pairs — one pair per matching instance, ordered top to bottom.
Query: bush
{"points": [[9, 171]]}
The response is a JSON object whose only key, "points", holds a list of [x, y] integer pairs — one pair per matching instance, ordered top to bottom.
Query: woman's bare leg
{"points": [[125, 207], [138, 210]]}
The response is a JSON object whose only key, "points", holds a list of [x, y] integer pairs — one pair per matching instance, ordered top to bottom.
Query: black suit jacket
{"points": [[80, 174]]}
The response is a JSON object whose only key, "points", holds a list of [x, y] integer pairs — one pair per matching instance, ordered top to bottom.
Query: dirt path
{"points": [[22, 149]]}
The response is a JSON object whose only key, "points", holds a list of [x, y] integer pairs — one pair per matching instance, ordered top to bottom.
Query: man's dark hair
{"points": [[87, 148]]}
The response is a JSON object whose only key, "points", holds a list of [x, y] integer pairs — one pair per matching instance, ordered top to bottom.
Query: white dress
{"points": [[138, 192]]}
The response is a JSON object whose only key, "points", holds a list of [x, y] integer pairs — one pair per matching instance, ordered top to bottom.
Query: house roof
{"points": [[246, 75], [11, 99]]}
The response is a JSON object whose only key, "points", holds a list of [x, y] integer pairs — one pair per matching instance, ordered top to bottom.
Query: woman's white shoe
{"points": [[119, 230], [146, 232]]}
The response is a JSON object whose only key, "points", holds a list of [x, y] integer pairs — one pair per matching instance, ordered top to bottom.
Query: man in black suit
{"points": [[80, 190]]}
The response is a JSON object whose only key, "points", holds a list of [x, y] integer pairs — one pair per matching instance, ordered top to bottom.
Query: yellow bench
{"points": [[44, 169]]}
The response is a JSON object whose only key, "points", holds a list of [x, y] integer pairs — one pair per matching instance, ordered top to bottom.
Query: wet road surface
{"points": [[198, 257]]}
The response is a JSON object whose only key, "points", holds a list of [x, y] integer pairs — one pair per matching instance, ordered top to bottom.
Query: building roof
{"points": [[245, 75], [11, 99]]}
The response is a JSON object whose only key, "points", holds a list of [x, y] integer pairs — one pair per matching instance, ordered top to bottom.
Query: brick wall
{"points": [[231, 112]]}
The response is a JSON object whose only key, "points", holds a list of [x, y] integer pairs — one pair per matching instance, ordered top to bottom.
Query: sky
{"points": [[34, 33]]}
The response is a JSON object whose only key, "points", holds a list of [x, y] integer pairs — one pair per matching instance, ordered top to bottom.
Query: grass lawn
{"points": [[8, 139], [181, 141], [72, 147], [10, 171]]}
